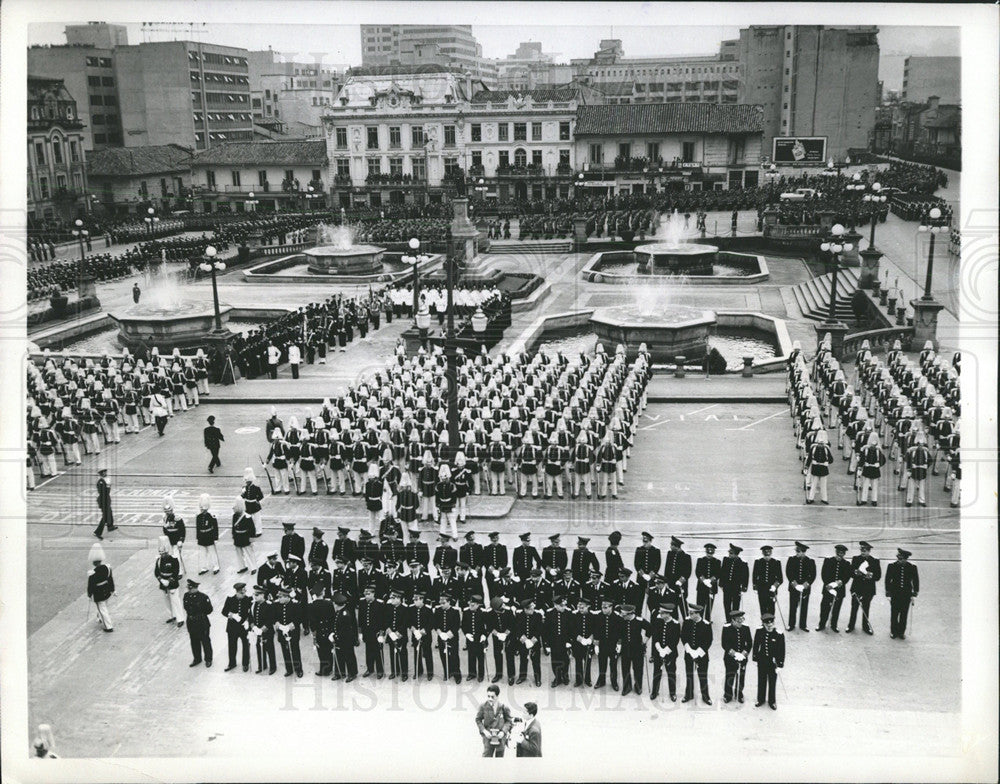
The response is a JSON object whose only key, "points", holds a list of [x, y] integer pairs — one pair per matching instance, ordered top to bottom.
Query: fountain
{"points": [[336, 254], [673, 256], [165, 317]]}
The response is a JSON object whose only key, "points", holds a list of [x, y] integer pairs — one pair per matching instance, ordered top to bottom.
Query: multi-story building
{"points": [[99, 35], [455, 46], [529, 67], [89, 76], [927, 76], [692, 79], [812, 81], [183, 92], [286, 95], [929, 132], [395, 136], [639, 148], [57, 175], [279, 176], [127, 180]]}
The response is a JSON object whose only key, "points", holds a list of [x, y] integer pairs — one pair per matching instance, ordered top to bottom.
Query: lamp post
{"points": [[855, 187], [481, 189], [311, 197], [874, 198], [251, 203], [151, 220], [933, 225], [81, 235], [834, 244], [870, 256], [415, 258], [212, 266], [926, 308], [423, 320], [479, 323], [451, 359]]}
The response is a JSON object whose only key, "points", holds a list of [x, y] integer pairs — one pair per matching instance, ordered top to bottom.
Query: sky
{"points": [[341, 44]]}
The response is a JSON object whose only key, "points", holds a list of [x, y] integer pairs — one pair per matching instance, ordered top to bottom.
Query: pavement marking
{"points": [[691, 413], [747, 427]]}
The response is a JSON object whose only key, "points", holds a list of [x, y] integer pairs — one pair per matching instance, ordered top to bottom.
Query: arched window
{"points": [[520, 157]]}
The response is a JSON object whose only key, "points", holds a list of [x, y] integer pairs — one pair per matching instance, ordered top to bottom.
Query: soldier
{"points": [[871, 458], [555, 460], [918, 461], [818, 462], [583, 463], [374, 488], [252, 495], [104, 503], [407, 504], [242, 530], [175, 531], [207, 534], [345, 547], [367, 548], [319, 551], [417, 551], [472, 553], [445, 556], [612, 557], [525, 558], [554, 558], [494, 559], [584, 561], [647, 561], [677, 568], [707, 570], [800, 570], [271, 573], [867, 573], [836, 574], [168, 575], [766, 579], [902, 584], [100, 586], [197, 607], [237, 609], [370, 614], [321, 617], [287, 619], [421, 621], [447, 623], [500, 623], [395, 625], [583, 625], [262, 629], [475, 630], [528, 630], [607, 630], [665, 634], [697, 638], [344, 639], [737, 646], [631, 648], [769, 653]]}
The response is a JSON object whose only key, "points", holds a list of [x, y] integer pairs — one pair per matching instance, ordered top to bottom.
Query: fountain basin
{"points": [[686, 258], [334, 260], [715, 268], [175, 326], [667, 333]]}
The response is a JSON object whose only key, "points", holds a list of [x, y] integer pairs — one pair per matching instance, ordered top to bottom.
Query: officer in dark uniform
{"points": [[104, 504], [291, 543], [345, 547], [367, 548], [417, 550], [319, 551], [472, 553], [444, 554], [612, 557], [525, 558], [554, 558], [494, 559], [584, 561], [647, 561], [800, 570], [707, 571], [271, 572], [867, 573], [836, 574], [734, 579], [766, 579], [902, 584], [593, 590], [197, 607], [236, 609], [370, 614], [321, 615], [287, 620], [448, 623], [395, 625], [500, 625], [262, 626], [421, 630], [475, 630], [528, 630], [607, 630], [582, 634], [665, 635], [696, 635], [344, 638], [558, 640], [737, 646], [632, 649], [769, 653]]}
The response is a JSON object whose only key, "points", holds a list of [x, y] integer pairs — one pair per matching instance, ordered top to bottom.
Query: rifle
{"points": [[267, 473]]}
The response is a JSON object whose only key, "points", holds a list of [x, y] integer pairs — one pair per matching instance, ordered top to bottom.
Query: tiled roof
{"points": [[538, 95], [648, 118], [262, 153], [137, 161]]}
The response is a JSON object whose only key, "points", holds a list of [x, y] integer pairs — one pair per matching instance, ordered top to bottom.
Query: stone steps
{"points": [[535, 246], [813, 296]]}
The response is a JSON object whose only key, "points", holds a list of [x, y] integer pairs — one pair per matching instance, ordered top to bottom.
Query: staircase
{"points": [[533, 246], [813, 296]]}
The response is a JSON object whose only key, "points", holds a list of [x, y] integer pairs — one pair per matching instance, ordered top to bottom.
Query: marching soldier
{"points": [[525, 558], [647, 561], [677, 568], [707, 570], [800, 570], [167, 571], [867, 573], [836, 574], [766, 579], [902, 584], [100, 586], [197, 607], [237, 609], [287, 619], [447, 623], [395, 625], [261, 626], [421, 629], [528, 629], [501, 630], [582, 634], [665, 635], [697, 638], [344, 639], [737, 646], [631, 648], [769, 654]]}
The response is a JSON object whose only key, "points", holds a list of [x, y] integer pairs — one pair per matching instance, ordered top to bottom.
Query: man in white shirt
{"points": [[294, 359]]}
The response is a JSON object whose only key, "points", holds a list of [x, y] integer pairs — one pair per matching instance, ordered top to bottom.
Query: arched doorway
{"points": [[520, 158], [520, 190]]}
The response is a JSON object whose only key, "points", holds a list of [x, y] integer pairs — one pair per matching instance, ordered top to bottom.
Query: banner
{"points": [[799, 149]]}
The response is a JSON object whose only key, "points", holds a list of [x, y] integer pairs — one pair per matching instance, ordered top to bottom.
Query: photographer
{"points": [[494, 722], [530, 744]]}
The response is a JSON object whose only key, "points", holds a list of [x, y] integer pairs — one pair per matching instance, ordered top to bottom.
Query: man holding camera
{"points": [[494, 722]]}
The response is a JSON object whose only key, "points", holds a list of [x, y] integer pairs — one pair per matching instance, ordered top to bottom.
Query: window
{"points": [[92, 62], [105, 62], [93, 81], [107, 81], [96, 100], [110, 100], [564, 130], [476, 132], [503, 132], [520, 132], [536, 132], [416, 136], [449, 136], [372, 137], [100, 138], [341, 138], [395, 141], [625, 150], [652, 150], [57, 153], [74, 153], [596, 153], [687, 154], [536, 157], [520, 158], [564, 158], [477, 159], [504, 159], [374, 166], [396, 167], [419, 167], [451, 167], [317, 174], [289, 175], [236, 177], [210, 178], [261, 178], [61, 181], [43, 184], [163, 186], [142, 189]]}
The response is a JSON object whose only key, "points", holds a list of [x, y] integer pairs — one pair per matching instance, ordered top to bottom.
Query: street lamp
{"points": [[855, 187], [481, 188], [311, 196], [873, 198], [252, 203], [151, 220], [934, 224], [81, 235], [835, 245], [415, 259], [212, 266], [423, 320], [479, 322], [451, 359]]}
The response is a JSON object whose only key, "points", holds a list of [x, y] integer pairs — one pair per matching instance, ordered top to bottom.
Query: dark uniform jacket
{"points": [[206, 528], [292, 544], [345, 548], [418, 551], [495, 556], [554, 557], [525, 559], [648, 559], [582, 562], [612, 563], [677, 566], [708, 567], [837, 569], [800, 570], [167, 571], [766, 572], [735, 574], [901, 580], [865, 582], [100, 583], [240, 607], [666, 633], [630, 635], [696, 635], [736, 639], [769, 647]]}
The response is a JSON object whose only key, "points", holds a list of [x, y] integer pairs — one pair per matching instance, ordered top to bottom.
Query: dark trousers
{"points": [[295, 369], [273, 370], [161, 423], [214, 462], [107, 519], [705, 597], [731, 598], [766, 600], [798, 602], [830, 602], [865, 603], [899, 611], [236, 636], [201, 642], [265, 651], [290, 651], [501, 651], [606, 651], [324, 652], [422, 653], [535, 654], [582, 654], [399, 657], [374, 658], [477, 659], [559, 659], [345, 661], [450, 663], [668, 663], [690, 664], [631, 666], [736, 677], [767, 680]]}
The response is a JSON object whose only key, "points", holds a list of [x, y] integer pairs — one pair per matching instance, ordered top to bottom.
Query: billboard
{"points": [[799, 149]]}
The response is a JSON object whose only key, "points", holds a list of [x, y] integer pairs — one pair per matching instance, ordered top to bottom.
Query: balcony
{"points": [[531, 170], [395, 180]]}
